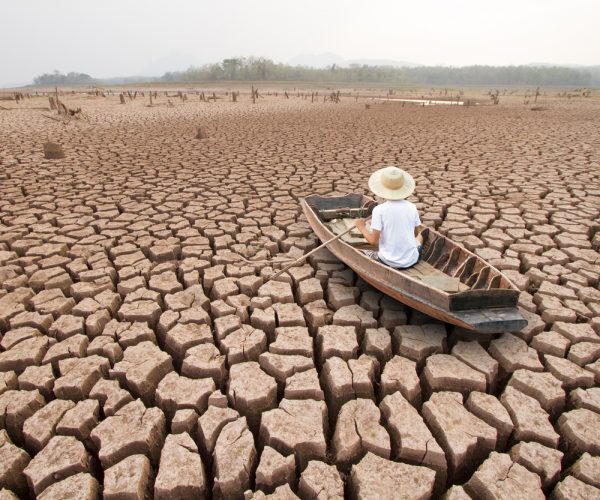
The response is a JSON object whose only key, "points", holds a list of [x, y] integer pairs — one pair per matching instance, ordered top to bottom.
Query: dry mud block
{"points": [[277, 291], [339, 295], [355, 316], [576, 332], [128, 334], [182, 337], [292, 340], [339, 341], [377, 342], [417, 342], [550, 343], [244, 344], [29, 352], [472, 354], [512, 354], [203, 361], [143, 366], [283, 366], [444, 372], [400, 374], [79, 375], [571, 375], [37, 377], [8, 381], [343, 381], [304, 385], [544, 387], [251, 391], [175, 392], [110, 395], [15, 408], [490, 410], [80, 420], [184, 421], [531, 422], [210, 425], [40, 427], [298, 427], [134, 429], [580, 430], [358, 431], [411, 439], [465, 439], [63, 456], [234, 460], [544, 461], [12, 462], [587, 469], [274, 470], [180, 472], [499, 477], [377, 478], [128, 480], [320, 480], [82, 486], [571, 487], [283, 492], [456, 493]]}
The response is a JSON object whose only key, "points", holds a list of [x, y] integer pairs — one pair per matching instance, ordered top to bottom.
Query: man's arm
{"points": [[372, 236]]}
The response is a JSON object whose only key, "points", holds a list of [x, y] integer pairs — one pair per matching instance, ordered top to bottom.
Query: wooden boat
{"points": [[449, 282]]}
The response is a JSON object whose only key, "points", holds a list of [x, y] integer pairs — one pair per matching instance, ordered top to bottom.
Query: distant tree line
{"points": [[259, 68], [262, 69], [57, 78]]}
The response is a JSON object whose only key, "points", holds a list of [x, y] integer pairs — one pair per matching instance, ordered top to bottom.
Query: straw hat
{"points": [[391, 183]]}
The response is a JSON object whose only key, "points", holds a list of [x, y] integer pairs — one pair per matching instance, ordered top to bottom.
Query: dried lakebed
{"points": [[141, 354]]}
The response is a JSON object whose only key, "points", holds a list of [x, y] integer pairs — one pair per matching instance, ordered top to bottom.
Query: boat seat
{"points": [[353, 238], [422, 270], [435, 278]]}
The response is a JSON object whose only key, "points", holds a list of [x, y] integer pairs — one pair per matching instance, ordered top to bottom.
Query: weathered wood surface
{"points": [[461, 289]]}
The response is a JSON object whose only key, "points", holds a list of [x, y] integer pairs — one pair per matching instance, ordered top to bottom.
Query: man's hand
{"points": [[361, 224], [372, 236]]}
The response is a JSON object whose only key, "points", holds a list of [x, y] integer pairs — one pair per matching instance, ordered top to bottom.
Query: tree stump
{"points": [[122, 98], [52, 103], [201, 133], [53, 151]]}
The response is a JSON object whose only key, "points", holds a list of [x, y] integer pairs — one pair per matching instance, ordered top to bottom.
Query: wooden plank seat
{"points": [[354, 237], [422, 271]]}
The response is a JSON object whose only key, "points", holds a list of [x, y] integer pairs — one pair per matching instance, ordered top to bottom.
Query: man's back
{"points": [[397, 221]]}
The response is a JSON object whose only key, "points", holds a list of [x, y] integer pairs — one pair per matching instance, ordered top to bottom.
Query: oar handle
{"points": [[306, 256]]}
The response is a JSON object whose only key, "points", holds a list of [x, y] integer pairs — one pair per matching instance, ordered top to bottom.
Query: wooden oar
{"points": [[304, 257]]}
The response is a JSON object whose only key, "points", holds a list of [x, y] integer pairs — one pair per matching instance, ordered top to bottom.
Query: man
{"points": [[395, 224]]}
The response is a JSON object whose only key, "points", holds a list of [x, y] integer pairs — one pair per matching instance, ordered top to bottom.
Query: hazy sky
{"points": [[132, 37]]}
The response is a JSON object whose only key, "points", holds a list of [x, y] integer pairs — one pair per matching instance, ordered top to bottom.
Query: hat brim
{"points": [[377, 187]]}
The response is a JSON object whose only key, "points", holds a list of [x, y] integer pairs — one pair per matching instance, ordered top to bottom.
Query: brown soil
{"points": [[141, 350]]}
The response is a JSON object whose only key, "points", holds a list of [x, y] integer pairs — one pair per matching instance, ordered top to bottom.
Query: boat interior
{"points": [[444, 265]]}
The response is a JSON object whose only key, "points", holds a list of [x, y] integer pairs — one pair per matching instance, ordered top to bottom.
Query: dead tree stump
{"points": [[122, 98], [52, 103], [201, 133], [53, 151]]}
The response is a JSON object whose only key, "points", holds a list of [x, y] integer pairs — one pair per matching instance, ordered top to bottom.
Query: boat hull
{"points": [[395, 284]]}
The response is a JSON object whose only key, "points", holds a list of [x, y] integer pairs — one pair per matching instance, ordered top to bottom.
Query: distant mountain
{"points": [[328, 58], [317, 60], [384, 62]]}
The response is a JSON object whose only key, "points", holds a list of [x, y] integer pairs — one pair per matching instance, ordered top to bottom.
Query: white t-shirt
{"points": [[397, 221]]}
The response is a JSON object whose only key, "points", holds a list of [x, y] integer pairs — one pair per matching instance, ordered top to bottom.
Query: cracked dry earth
{"points": [[142, 357]]}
